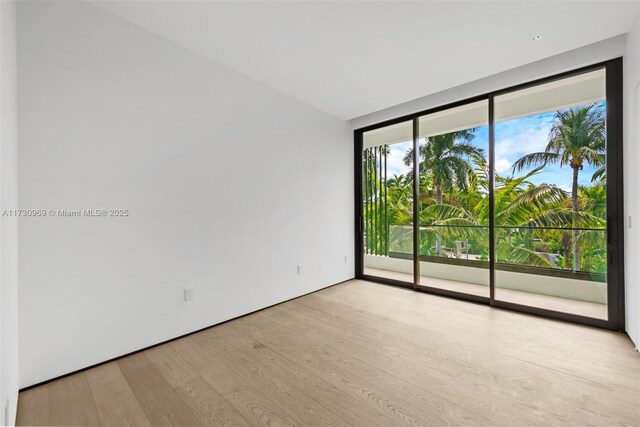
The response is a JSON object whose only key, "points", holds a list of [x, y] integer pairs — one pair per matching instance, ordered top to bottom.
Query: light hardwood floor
{"points": [[365, 354]]}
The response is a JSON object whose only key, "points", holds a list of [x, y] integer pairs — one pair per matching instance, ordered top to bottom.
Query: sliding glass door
{"points": [[453, 149], [551, 196], [513, 199], [387, 202]]}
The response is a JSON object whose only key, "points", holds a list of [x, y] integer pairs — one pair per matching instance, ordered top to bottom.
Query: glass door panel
{"points": [[387, 202], [550, 209], [453, 218]]}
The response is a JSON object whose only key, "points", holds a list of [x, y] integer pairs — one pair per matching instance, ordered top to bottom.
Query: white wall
{"points": [[632, 181], [230, 185], [8, 225]]}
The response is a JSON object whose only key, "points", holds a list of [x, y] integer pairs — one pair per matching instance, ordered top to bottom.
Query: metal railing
{"points": [[512, 238]]}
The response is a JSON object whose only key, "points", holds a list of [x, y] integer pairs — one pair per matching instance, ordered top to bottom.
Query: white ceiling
{"points": [[337, 55]]}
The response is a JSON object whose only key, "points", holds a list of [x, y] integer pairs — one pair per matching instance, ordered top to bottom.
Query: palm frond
{"points": [[534, 159], [600, 174], [529, 203], [443, 212], [568, 218], [520, 255]]}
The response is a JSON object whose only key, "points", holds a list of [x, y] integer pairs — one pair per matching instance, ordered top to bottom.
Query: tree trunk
{"points": [[439, 202], [576, 233], [566, 242]]}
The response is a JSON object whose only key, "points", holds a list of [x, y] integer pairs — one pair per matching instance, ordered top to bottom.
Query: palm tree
{"points": [[577, 137], [442, 158], [444, 161], [400, 199], [519, 204]]}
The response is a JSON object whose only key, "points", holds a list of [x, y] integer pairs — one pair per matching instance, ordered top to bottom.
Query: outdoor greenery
{"points": [[538, 225]]}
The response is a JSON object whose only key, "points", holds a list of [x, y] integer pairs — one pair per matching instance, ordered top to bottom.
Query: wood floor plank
{"points": [[507, 321], [508, 330], [502, 340], [360, 354], [194, 355], [449, 356], [186, 358], [180, 362], [173, 367], [384, 373], [452, 374], [420, 389], [378, 399], [71, 402], [115, 402], [160, 403], [208, 405], [254, 405], [33, 407], [301, 407], [348, 407]]}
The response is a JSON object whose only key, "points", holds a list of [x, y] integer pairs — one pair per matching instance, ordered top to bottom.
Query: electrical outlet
{"points": [[299, 269], [188, 294]]}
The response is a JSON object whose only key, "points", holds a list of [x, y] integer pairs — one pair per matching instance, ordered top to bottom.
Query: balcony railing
{"points": [[525, 249]]}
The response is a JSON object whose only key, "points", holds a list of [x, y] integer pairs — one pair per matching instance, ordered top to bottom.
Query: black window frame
{"points": [[615, 200]]}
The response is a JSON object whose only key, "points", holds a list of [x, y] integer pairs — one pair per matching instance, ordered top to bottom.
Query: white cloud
{"points": [[523, 136], [395, 165], [502, 165]]}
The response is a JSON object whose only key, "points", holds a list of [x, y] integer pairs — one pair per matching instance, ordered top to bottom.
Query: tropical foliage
{"points": [[577, 137], [536, 224]]}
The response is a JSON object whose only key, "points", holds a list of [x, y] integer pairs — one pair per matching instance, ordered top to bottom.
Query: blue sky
{"points": [[514, 138]]}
